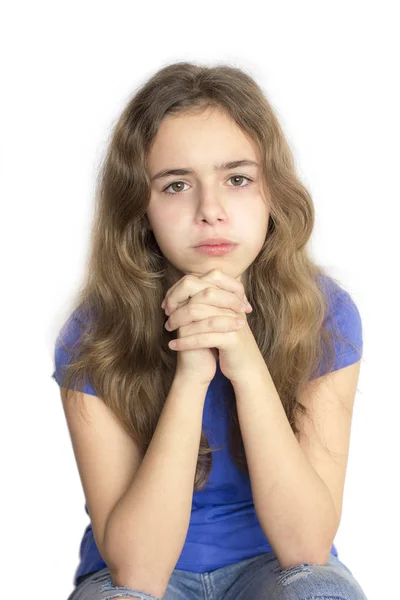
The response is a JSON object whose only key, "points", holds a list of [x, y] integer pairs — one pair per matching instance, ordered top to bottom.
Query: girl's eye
{"points": [[233, 177]]}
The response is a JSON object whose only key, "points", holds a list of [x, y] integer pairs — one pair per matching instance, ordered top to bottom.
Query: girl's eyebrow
{"points": [[223, 167]]}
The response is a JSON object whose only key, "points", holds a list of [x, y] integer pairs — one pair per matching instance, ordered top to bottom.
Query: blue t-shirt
{"points": [[224, 528]]}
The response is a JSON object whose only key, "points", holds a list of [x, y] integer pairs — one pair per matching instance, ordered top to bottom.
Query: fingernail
{"points": [[246, 300]]}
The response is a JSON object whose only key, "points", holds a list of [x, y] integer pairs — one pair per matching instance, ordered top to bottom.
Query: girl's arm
{"points": [[296, 487], [147, 528]]}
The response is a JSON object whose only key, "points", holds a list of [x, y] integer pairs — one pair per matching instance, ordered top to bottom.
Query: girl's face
{"points": [[207, 202]]}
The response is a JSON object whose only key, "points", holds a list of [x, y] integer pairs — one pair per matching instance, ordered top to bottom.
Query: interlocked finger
{"points": [[191, 285], [216, 324]]}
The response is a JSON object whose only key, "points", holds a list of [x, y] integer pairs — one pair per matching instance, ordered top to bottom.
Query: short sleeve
{"points": [[345, 319], [67, 339]]}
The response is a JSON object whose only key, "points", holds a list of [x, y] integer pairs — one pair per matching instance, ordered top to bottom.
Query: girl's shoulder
{"points": [[343, 317], [67, 341]]}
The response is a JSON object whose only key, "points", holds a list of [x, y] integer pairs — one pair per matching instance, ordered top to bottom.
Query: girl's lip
{"points": [[215, 242], [216, 250]]}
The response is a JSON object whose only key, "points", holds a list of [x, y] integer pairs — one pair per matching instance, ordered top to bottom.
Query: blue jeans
{"points": [[256, 578]]}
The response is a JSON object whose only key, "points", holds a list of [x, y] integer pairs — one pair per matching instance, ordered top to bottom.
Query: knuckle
{"points": [[215, 273], [186, 281], [209, 292], [192, 310], [232, 324], [185, 330], [207, 339]]}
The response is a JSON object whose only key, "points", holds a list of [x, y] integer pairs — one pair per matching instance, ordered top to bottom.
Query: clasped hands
{"points": [[206, 309]]}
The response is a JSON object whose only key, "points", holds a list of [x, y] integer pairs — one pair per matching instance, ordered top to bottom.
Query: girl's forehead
{"points": [[191, 146]]}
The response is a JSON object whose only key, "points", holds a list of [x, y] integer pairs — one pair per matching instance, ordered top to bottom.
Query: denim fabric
{"points": [[256, 578]]}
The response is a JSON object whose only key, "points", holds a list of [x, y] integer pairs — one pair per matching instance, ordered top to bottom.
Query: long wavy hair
{"points": [[123, 346]]}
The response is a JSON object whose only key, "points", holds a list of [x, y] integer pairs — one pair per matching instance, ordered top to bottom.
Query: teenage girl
{"points": [[209, 367]]}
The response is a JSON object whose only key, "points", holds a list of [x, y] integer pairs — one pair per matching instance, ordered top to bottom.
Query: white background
{"points": [[330, 71]]}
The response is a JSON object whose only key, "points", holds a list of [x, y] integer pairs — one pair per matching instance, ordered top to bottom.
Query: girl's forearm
{"points": [[293, 504], [147, 529]]}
